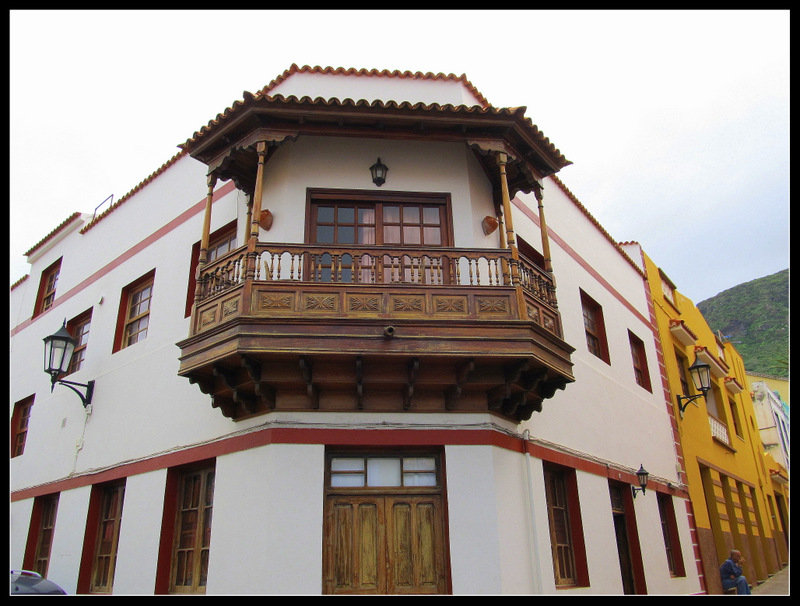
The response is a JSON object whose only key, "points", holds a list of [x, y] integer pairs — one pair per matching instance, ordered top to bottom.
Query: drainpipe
{"points": [[537, 573]]}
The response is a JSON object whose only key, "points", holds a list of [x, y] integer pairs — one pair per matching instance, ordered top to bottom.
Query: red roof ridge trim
{"points": [[385, 73], [127, 196], [596, 223], [52, 234], [18, 282]]}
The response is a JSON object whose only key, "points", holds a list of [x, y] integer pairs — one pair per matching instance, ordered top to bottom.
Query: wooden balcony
{"points": [[312, 327]]}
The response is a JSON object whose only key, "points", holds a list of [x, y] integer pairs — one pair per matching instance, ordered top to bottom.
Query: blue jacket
{"points": [[729, 569]]}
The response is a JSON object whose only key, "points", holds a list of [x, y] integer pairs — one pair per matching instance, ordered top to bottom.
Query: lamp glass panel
{"points": [[59, 353], [700, 377]]}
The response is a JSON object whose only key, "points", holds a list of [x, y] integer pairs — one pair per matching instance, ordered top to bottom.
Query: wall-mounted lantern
{"points": [[379, 171], [58, 350], [701, 377], [642, 476]]}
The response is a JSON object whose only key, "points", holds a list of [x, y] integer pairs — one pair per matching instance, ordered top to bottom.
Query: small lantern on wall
{"points": [[379, 171], [58, 349], [701, 377], [642, 476]]}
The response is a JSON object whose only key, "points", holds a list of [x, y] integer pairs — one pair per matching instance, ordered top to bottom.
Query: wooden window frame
{"points": [[315, 197], [216, 238], [322, 266], [48, 284], [123, 320], [79, 328], [596, 340], [641, 371], [683, 373], [20, 419], [736, 419], [393, 454], [567, 479], [624, 507], [96, 522], [171, 528], [669, 528], [40, 535]]}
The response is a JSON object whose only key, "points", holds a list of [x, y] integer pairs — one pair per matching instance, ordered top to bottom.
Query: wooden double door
{"points": [[384, 544]]}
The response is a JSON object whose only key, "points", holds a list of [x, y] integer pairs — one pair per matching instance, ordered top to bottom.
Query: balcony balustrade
{"points": [[372, 265], [449, 320], [719, 430]]}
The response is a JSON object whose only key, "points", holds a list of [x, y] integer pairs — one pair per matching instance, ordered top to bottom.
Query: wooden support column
{"points": [[261, 149], [502, 158], [212, 181], [248, 221], [511, 241], [203, 256], [548, 265], [250, 272]]}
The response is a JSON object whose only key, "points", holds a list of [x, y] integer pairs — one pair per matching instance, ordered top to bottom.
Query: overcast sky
{"points": [[677, 122]]}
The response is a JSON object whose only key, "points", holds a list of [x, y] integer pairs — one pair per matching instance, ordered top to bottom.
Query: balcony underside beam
{"points": [[512, 389]]}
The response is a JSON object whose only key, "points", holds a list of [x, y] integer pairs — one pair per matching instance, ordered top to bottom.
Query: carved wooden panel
{"points": [[371, 302], [450, 304], [495, 306], [218, 310], [384, 545]]}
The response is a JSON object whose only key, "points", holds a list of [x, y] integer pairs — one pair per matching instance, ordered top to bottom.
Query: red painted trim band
{"points": [[336, 437]]}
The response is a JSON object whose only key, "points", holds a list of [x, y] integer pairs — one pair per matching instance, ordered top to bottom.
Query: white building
{"points": [[374, 386], [772, 415]]}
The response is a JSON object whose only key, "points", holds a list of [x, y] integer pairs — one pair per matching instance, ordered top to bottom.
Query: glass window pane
{"points": [[325, 214], [346, 214], [391, 214], [410, 214], [430, 215], [366, 216], [325, 234], [346, 234], [391, 234], [366, 235], [411, 235], [432, 235], [339, 464], [419, 464], [383, 472], [419, 479], [347, 480]]}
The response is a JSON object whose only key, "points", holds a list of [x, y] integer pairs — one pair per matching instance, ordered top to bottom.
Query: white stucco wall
{"points": [[268, 512], [140, 533]]}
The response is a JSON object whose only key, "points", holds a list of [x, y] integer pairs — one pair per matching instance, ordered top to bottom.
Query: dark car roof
{"points": [[25, 581]]}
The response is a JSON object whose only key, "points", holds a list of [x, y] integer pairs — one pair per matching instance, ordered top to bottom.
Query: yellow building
{"points": [[738, 500]]}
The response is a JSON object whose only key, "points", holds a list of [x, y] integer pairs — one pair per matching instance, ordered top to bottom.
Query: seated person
{"points": [[731, 573]]}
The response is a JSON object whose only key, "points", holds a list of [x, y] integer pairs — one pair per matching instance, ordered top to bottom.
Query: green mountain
{"points": [[755, 317]]}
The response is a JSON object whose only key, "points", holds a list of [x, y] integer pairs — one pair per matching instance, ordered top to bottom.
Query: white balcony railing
{"points": [[719, 430]]}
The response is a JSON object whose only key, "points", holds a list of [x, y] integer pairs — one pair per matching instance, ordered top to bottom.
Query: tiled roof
{"points": [[385, 73], [263, 99], [127, 196], [74, 216], [20, 281]]}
